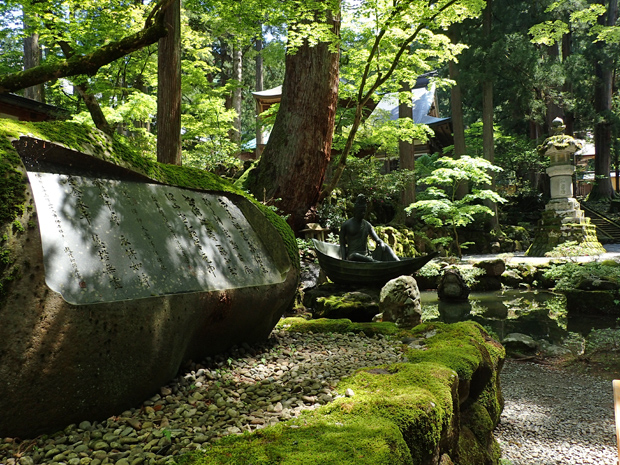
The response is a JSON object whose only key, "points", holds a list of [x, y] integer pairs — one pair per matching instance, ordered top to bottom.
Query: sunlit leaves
{"points": [[588, 15], [548, 32], [379, 33], [439, 206]]}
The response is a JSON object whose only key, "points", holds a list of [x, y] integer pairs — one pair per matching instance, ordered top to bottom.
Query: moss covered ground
{"points": [[399, 413]]}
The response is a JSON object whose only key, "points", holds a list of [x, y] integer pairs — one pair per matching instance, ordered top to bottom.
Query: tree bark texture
{"points": [[32, 59], [259, 86], [169, 88], [237, 92], [456, 109], [553, 110], [488, 147], [406, 154], [291, 170], [603, 188]]}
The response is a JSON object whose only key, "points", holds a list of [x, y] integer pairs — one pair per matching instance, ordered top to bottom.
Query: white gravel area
{"points": [[553, 416]]}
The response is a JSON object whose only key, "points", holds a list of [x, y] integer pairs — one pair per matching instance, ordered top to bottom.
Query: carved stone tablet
{"points": [[106, 240]]}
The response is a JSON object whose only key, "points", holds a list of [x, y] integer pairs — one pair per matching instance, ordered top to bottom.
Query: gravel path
{"points": [[245, 390], [551, 417], [554, 417]]}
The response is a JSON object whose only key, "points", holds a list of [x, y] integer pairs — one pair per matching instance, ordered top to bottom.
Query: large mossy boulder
{"points": [[402, 240], [61, 361], [439, 407]]}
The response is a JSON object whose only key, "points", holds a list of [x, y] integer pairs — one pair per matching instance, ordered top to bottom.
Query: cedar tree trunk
{"points": [[32, 59], [259, 86], [169, 88], [237, 92], [456, 108], [488, 147], [406, 156], [291, 169], [602, 188]]}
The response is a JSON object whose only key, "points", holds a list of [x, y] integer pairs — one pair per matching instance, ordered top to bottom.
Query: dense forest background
{"points": [[503, 70]]}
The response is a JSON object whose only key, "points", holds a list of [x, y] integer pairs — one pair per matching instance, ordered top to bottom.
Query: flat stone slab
{"points": [[106, 240]]}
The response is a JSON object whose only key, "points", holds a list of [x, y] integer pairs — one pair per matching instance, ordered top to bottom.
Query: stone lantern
{"points": [[563, 220]]}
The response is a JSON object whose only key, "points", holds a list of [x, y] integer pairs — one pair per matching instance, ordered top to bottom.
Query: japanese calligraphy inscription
{"points": [[106, 240]]}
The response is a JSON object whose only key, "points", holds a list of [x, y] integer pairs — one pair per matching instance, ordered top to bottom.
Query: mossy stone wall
{"points": [[402, 240], [440, 406]]}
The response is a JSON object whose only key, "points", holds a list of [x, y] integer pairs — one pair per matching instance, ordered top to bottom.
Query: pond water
{"points": [[540, 314]]}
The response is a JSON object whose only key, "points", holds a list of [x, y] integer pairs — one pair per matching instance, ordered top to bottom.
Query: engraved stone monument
{"points": [[563, 220], [117, 277]]}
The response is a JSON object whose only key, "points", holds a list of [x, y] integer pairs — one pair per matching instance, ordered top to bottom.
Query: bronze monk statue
{"points": [[354, 238]]}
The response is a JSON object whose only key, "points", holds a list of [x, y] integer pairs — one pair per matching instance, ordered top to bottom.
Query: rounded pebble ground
{"points": [[249, 388], [551, 417]]}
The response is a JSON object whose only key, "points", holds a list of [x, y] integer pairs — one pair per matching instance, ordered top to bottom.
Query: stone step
{"points": [[607, 230]]}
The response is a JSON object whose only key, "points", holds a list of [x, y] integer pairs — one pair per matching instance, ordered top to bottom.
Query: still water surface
{"points": [[540, 314]]}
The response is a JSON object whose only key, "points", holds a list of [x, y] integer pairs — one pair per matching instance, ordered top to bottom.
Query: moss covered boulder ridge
{"points": [[438, 407]]}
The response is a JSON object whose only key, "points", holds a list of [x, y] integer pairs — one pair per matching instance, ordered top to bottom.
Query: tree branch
{"points": [[89, 64], [363, 98]]}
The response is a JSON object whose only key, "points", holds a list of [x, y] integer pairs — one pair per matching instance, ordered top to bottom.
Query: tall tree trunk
{"points": [[32, 58], [225, 63], [259, 86], [169, 88], [567, 88], [236, 95], [456, 108], [553, 109], [488, 147], [406, 156], [291, 170], [602, 188]]}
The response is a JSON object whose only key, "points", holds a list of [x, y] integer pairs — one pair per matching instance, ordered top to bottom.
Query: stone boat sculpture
{"points": [[116, 269], [364, 273]]}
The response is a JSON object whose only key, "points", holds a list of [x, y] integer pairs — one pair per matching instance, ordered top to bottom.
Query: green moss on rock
{"points": [[12, 183], [402, 240], [343, 325], [456, 346], [416, 397], [401, 413], [479, 422], [314, 438]]}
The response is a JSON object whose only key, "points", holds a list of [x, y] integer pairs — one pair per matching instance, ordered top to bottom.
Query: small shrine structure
{"points": [[563, 220]]}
